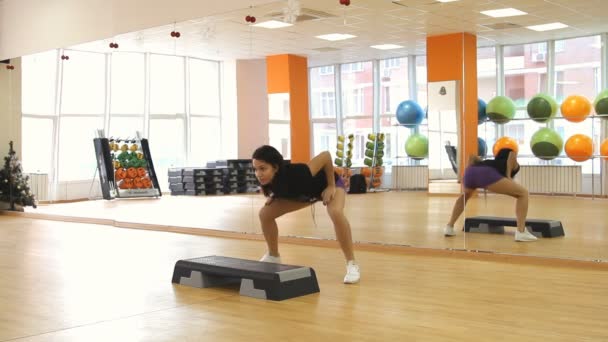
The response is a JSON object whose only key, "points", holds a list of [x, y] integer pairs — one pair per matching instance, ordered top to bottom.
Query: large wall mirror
{"points": [[175, 98], [444, 134]]}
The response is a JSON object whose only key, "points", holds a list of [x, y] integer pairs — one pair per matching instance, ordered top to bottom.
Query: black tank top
{"points": [[500, 162], [296, 182]]}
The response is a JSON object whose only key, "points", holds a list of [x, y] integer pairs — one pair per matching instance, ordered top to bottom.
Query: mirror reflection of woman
{"points": [[496, 176], [295, 186]]}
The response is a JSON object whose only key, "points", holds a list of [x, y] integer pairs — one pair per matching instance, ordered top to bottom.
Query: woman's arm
{"points": [[323, 162], [511, 164]]}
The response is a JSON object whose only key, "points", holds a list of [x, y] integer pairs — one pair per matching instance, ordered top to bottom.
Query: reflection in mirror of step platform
{"points": [[496, 225], [257, 279]]}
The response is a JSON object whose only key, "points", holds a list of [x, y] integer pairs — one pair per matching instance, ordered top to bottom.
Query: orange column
{"points": [[454, 57], [289, 74]]}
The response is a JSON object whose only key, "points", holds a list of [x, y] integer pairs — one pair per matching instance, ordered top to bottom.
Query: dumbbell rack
{"points": [[377, 138], [107, 166]]}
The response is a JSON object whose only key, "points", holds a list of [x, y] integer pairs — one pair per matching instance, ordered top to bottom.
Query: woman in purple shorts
{"points": [[494, 175], [290, 187]]}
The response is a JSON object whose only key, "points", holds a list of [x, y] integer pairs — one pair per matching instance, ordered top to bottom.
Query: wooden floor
{"points": [[402, 218], [64, 281]]}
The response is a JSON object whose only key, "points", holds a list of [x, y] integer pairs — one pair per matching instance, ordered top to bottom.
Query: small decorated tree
{"points": [[14, 187]]}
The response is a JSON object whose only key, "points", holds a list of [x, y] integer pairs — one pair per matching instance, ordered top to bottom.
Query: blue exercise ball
{"points": [[409, 113], [482, 116], [482, 147]]}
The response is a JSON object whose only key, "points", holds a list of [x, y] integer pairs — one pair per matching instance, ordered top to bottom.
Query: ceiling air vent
{"points": [[306, 14], [502, 26], [326, 49]]}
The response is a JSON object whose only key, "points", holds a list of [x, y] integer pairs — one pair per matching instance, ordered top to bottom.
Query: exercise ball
{"points": [[601, 103], [542, 108], [575, 108], [500, 109], [409, 113], [482, 116], [505, 142], [546, 144], [417, 146], [482, 147], [579, 147], [604, 149]]}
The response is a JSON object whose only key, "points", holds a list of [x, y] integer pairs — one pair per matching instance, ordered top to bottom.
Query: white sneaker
{"points": [[449, 231], [525, 236], [269, 258], [352, 273]]}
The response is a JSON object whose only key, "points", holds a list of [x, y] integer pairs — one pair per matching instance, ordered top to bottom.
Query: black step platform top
{"points": [[508, 221], [546, 228], [229, 267], [258, 279]]}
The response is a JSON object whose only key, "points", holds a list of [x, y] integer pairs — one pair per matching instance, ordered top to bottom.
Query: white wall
{"points": [[30, 26], [252, 103], [10, 108]]}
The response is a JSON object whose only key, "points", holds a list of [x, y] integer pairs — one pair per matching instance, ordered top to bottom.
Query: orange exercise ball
{"points": [[575, 108], [505, 142], [579, 147], [604, 149]]}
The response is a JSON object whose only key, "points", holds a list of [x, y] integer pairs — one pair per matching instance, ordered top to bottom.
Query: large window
{"points": [[577, 66], [525, 72], [486, 73], [525, 76], [39, 80], [421, 81], [128, 84], [167, 85], [83, 89], [127, 89], [394, 89], [39, 90], [486, 90], [322, 93], [357, 105], [69, 106], [83, 106], [323, 110], [167, 112], [205, 124], [279, 130], [324, 138], [37, 146], [167, 146], [76, 153]]}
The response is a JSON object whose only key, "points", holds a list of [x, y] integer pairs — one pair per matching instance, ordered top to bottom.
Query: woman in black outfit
{"points": [[295, 186]]}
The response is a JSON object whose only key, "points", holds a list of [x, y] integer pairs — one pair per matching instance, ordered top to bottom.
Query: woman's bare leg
{"points": [[508, 187], [335, 209], [268, 215]]}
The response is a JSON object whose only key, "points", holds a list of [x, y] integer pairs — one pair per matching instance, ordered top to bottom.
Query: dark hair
{"points": [[270, 155]]}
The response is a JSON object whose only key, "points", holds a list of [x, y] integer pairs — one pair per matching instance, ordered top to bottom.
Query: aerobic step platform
{"points": [[490, 224], [258, 279]]}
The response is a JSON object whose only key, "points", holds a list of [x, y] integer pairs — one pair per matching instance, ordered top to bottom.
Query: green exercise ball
{"points": [[601, 103], [542, 108], [500, 109], [546, 144], [417, 146]]}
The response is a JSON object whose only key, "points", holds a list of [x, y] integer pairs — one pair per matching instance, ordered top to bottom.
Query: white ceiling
{"points": [[405, 22]]}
